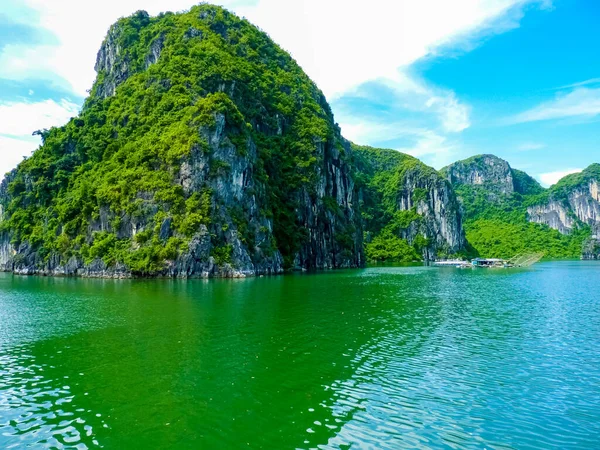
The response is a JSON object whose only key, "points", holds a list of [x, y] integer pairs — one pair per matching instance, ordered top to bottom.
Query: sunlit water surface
{"points": [[398, 357]]}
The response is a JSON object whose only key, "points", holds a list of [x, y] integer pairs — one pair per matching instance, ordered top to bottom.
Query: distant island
{"points": [[204, 150]]}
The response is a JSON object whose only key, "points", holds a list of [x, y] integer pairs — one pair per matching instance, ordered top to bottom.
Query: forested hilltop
{"points": [[204, 150], [480, 206], [410, 212], [507, 212]]}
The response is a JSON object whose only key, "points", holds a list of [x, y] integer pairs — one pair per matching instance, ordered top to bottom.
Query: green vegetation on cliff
{"points": [[163, 82], [203, 143], [378, 176], [569, 183], [525, 184], [496, 223], [400, 224], [499, 238]]}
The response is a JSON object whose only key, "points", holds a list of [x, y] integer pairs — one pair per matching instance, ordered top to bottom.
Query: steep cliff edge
{"points": [[203, 150], [486, 171], [493, 176], [571, 203], [500, 204], [410, 210], [591, 246]]}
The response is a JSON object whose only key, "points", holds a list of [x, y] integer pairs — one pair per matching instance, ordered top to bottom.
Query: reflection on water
{"points": [[399, 357], [39, 407]]}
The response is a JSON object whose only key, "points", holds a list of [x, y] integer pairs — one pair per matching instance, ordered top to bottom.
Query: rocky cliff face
{"points": [[114, 62], [203, 151], [487, 171], [493, 175], [411, 200], [572, 202], [585, 203], [234, 204], [554, 214], [440, 217], [334, 230], [591, 246]]}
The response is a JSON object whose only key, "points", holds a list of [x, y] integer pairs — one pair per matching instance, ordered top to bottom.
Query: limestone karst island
{"points": [[169, 233]]}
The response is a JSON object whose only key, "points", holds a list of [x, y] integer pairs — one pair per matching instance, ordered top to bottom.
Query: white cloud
{"points": [[79, 38], [340, 43], [344, 43], [581, 83], [408, 94], [416, 95], [580, 102], [454, 115], [19, 120], [421, 120], [366, 132], [423, 143], [429, 143], [527, 146], [12, 152], [550, 178]]}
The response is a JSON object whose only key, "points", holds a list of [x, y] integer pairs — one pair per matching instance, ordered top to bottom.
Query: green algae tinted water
{"points": [[398, 357]]}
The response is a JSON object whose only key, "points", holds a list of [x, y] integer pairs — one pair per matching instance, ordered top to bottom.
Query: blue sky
{"points": [[440, 80]]}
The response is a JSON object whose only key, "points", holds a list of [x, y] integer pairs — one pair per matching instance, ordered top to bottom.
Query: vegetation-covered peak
{"points": [[231, 53], [202, 84], [379, 158], [483, 158], [481, 161], [484, 172], [493, 174], [578, 180], [525, 184], [409, 209]]}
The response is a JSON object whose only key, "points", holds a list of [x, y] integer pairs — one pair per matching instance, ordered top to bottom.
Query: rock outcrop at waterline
{"points": [[203, 150], [440, 219], [591, 246]]}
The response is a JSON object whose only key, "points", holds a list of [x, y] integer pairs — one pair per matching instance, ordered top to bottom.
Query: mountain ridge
{"points": [[204, 150], [406, 201], [508, 212]]}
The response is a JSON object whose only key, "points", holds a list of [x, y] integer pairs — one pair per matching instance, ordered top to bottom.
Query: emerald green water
{"points": [[397, 357]]}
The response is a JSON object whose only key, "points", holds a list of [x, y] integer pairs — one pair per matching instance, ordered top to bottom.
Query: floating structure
{"points": [[526, 259], [521, 260], [490, 262], [458, 263]]}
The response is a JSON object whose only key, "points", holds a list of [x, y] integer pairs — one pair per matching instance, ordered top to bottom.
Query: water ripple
{"points": [[390, 358], [39, 411]]}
